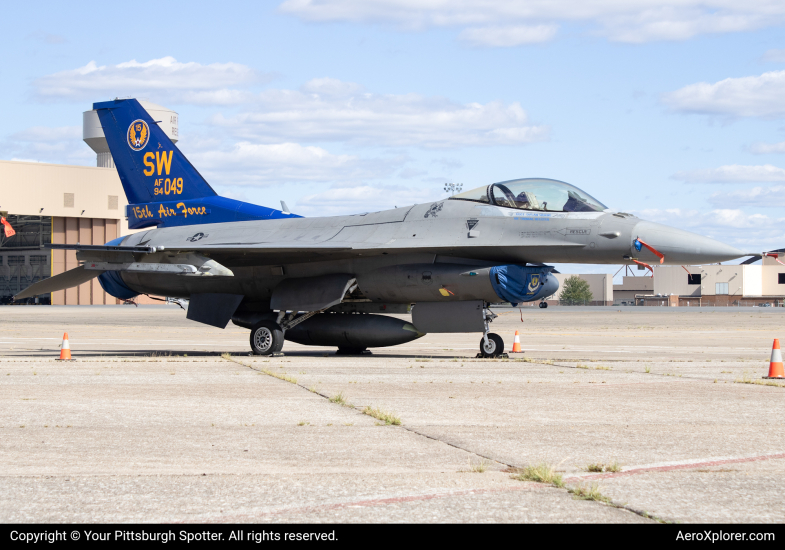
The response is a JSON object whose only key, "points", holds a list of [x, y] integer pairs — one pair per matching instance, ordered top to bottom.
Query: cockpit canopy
{"points": [[534, 194]]}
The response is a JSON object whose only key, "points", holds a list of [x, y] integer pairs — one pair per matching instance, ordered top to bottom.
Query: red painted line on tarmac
{"points": [[671, 467], [522, 487], [377, 502]]}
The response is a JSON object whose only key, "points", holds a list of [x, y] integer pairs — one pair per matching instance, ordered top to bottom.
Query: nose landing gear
{"points": [[543, 304], [491, 345]]}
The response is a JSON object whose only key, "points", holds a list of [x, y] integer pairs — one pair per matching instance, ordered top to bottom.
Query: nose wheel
{"points": [[543, 305], [492, 345]]}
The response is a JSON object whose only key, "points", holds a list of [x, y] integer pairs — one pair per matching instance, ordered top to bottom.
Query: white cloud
{"points": [[624, 21], [508, 36], [775, 56], [164, 78], [755, 96], [323, 109], [330, 110], [49, 135], [62, 145], [766, 148], [265, 164], [732, 173], [761, 197], [353, 199]]}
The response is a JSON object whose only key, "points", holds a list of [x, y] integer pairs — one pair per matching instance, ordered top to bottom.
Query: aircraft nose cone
{"points": [[681, 247]]}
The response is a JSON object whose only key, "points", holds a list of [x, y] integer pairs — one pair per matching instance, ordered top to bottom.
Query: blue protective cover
{"points": [[163, 187], [111, 281], [518, 283], [113, 285]]}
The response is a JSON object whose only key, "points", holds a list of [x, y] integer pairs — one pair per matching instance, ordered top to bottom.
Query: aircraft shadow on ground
{"points": [[180, 354]]}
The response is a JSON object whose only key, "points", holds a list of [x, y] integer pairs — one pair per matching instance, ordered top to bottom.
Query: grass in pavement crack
{"points": [[279, 375], [380, 414]]}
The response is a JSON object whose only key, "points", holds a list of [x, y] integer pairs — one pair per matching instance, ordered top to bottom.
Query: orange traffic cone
{"points": [[516, 344], [65, 349], [775, 365]]}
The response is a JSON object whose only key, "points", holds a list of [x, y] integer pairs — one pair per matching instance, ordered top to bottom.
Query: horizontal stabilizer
{"points": [[69, 279]]}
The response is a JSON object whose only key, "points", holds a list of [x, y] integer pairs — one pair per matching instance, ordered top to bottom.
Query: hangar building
{"points": [[56, 203]]}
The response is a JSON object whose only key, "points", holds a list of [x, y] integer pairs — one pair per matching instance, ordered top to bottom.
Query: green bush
{"points": [[575, 291]]}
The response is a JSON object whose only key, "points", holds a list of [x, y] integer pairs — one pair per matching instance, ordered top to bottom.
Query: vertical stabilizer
{"points": [[150, 166], [163, 188]]}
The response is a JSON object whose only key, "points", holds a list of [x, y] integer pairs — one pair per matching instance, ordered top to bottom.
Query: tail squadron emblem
{"points": [[138, 135]]}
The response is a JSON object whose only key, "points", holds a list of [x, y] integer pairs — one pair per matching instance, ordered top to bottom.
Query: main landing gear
{"points": [[266, 338], [491, 344]]}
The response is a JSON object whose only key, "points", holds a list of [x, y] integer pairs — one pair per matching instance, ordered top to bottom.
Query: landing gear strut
{"points": [[491, 344]]}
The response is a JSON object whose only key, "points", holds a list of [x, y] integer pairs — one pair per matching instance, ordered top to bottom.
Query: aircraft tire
{"points": [[543, 304], [266, 338], [495, 345]]}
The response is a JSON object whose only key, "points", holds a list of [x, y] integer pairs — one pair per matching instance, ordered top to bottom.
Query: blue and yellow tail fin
{"points": [[163, 188]]}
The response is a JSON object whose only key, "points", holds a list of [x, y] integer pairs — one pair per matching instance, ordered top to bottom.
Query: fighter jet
{"points": [[327, 281]]}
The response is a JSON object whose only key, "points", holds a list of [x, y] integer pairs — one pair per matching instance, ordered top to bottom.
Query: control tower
{"points": [[93, 134]]}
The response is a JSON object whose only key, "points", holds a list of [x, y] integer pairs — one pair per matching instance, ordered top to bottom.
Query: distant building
{"points": [[55, 203], [719, 285], [690, 286], [625, 293]]}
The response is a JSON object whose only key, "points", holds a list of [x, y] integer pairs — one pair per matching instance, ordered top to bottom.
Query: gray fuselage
{"points": [[386, 250]]}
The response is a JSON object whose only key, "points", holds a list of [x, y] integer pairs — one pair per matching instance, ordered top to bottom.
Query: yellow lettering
{"points": [[163, 162], [149, 164], [167, 185], [179, 186], [185, 210], [162, 211]]}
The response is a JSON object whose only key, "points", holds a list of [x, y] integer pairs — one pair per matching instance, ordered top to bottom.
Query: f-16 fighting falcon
{"points": [[326, 281]]}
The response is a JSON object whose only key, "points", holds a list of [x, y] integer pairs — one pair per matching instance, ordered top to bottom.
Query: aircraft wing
{"points": [[231, 254]]}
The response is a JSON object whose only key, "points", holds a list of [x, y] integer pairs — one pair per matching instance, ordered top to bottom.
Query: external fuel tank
{"points": [[352, 331]]}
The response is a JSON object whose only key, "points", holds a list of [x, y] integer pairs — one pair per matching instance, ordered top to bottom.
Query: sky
{"points": [[672, 109]]}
